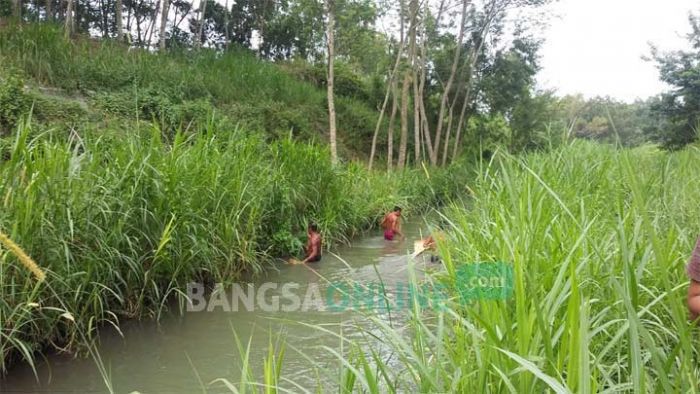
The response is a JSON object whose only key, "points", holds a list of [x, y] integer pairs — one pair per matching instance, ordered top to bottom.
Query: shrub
{"points": [[14, 101]]}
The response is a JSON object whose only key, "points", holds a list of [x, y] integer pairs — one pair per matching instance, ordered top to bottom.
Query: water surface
{"points": [[185, 353]]}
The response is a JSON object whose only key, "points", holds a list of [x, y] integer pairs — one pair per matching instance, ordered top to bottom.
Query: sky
{"points": [[595, 47]]}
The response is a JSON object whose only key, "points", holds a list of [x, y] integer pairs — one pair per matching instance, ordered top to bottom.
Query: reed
{"points": [[122, 223], [597, 238]]}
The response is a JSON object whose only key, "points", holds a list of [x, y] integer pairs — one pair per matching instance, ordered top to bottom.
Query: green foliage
{"points": [[14, 101], [680, 106], [607, 120], [489, 133]]}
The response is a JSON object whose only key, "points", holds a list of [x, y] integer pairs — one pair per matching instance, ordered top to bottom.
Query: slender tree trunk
{"points": [[17, 9], [49, 10], [413, 11], [119, 20], [128, 20], [163, 23], [104, 25], [152, 26], [68, 27], [138, 28], [200, 31], [227, 40], [471, 63], [390, 83], [448, 86], [395, 93], [416, 98], [331, 99], [416, 110], [450, 117], [404, 120], [417, 123], [460, 123], [425, 125], [426, 128], [390, 132]]}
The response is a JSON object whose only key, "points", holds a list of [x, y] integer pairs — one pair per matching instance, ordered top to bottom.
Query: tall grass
{"points": [[121, 224], [597, 238]]}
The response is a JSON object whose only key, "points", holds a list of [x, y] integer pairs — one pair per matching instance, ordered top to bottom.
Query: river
{"points": [[186, 352]]}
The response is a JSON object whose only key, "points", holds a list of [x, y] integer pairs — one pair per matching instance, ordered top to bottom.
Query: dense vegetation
{"points": [[87, 85], [130, 166], [123, 223], [598, 239]]}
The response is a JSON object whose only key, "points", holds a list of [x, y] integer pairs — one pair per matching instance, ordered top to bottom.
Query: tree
{"points": [[17, 9], [119, 19], [163, 23], [69, 24], [200, 29], [330, 30], [448, 85], [681, 105]]}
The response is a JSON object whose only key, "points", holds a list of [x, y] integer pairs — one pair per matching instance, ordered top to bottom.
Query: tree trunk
{"points": [[17, 9], [49, 10], [413, 11], [118, 17], [104, 24], [163, 24], [152, 26], [68, 27], [200, 31], [227, 40], [471, 62], [448, 86], [389, 91], [331, 100], [416, 104], [404, 121], [460, 123], [425, 125], [449, 129], [390, 133]]}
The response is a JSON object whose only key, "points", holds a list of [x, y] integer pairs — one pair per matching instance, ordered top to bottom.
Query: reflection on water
{"points": [[185, 353]]}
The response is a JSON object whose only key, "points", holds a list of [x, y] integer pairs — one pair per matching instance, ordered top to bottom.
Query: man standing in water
{"points": [[391, 224], [313, 244]]}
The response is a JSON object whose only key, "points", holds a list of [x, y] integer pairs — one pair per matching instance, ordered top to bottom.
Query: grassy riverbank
{"points": [[88, 84], [122, 222], [598, 238]]}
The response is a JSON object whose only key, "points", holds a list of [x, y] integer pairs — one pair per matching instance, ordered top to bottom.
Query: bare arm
{"points": [[397, 228], [694, 299]]}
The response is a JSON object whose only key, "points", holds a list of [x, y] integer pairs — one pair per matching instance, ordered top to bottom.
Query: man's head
{"points": [[397, 209], [313, 227]]}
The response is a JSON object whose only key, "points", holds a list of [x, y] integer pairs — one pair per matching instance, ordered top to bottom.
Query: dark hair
{"points": [[397, 209], [313, 227]]}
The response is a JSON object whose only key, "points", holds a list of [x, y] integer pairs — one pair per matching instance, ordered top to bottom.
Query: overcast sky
{"points": [[594, 47]]}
